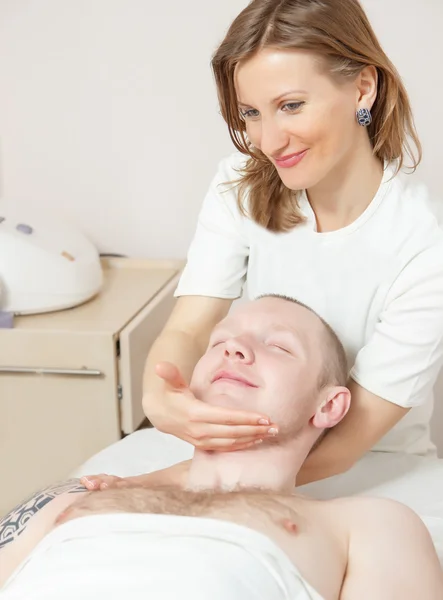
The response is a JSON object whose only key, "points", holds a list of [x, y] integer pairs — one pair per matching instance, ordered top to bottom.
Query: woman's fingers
{"points": [[171, 375], [200, 412], [204, 425], [233, 433], [226, 444], [99, 482]]}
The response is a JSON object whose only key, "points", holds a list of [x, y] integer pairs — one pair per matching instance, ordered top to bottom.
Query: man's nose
{"points": [[274, 139], [238, 350]]}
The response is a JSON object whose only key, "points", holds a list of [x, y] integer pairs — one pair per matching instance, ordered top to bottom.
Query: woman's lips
{"points": [[291, 160]]}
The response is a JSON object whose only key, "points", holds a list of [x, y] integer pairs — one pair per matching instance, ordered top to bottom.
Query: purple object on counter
{"points": [[6, 320]]}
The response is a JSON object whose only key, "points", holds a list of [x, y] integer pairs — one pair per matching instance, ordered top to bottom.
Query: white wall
{"points": [[108, 113]]}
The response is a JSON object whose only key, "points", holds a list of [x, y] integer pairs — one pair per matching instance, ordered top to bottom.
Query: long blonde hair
{"points": [[340, 32]]}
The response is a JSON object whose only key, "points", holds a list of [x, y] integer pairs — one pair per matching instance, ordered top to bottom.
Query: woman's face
{"points": [[291, 106]]}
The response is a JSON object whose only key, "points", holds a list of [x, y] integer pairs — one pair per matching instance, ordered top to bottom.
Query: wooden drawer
{"points": [[71, 381]]}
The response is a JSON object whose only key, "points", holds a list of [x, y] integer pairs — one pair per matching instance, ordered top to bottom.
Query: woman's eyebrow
{"points": [[275, 100]]}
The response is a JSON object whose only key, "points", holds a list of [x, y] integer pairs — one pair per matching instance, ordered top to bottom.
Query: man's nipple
{"points": [[290, 526]]}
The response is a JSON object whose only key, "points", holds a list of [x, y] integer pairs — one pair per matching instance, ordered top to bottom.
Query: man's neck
{"points": [[268, 466]]}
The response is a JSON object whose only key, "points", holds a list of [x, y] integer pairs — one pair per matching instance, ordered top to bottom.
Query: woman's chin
{"points": [[297, 181]]}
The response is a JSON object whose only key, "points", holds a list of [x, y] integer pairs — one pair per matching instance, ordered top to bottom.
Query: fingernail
{"points": [[263, 422], [273, 431], [258, 441], [104, 486]]}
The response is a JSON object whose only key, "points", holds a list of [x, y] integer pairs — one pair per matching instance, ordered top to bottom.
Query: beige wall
{"points": [[108, 113]]}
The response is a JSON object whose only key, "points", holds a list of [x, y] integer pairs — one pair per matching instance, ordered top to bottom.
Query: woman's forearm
{"points": [[184, 338], [177, 347], [369, 418], [325, 461]]}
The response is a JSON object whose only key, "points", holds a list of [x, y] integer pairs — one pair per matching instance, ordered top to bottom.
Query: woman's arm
{"points": [[213, 277], [400, 363], [368, 420], [28, 523]]}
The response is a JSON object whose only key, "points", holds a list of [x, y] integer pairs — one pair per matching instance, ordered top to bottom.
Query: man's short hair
{"points": [[335, 366]]}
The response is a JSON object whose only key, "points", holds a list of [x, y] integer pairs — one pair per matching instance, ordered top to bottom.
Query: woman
{"points": [[313, 205]]}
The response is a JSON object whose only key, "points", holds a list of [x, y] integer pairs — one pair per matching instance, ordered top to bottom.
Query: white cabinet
{"points": [[71, 381]]}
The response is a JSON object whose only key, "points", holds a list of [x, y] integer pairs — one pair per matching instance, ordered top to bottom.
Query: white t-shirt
{"points": [[378, 282]]}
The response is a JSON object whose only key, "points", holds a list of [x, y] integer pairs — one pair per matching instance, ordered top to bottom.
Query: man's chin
{"points": [[226, 400]]}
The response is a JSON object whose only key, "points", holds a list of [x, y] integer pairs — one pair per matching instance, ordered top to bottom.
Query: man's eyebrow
{"points": [[277, 99]]}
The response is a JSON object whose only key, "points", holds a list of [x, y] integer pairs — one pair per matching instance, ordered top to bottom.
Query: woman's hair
{"points": [[339, 31]]}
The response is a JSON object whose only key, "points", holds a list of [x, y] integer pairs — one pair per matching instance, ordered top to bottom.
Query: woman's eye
{"points": [[292, 106], [251, 113], [216, 343]]}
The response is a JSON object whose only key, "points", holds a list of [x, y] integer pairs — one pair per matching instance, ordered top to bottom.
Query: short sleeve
{"points": [[218, 256], [401, 361]]}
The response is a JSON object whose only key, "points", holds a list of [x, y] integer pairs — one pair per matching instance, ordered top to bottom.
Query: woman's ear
{"points": [[367, 85], [333, 408]]}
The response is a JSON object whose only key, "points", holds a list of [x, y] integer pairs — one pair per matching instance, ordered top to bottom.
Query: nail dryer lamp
{"points": [[44, 266]]}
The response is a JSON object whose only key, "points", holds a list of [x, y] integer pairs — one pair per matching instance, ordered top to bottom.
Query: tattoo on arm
{"points": [[14, 523]]}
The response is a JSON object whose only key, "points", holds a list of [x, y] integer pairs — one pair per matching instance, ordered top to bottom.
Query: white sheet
{"points": [[415, 481], [156, 556]]}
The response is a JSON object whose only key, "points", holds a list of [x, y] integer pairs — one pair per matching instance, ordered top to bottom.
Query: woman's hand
{"points": [[206, 427], [173, 477], [103, 482]]}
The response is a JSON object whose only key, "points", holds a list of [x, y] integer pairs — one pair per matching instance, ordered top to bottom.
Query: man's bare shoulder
{"points": [[368, 508], [359, 517], [382, 523], [27, 524], [388, 544]]}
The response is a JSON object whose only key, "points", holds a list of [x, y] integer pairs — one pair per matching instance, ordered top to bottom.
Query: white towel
{"points": [[156, 557]]}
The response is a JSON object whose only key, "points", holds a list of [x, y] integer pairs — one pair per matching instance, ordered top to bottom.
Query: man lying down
{"points": [[237, 532]]}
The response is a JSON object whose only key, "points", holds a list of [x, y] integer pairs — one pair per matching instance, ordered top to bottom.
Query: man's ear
{"points": [[333, 408]]}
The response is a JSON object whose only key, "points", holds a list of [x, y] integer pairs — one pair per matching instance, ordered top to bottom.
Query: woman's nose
{"points": [[274, 139], [239, 350]]}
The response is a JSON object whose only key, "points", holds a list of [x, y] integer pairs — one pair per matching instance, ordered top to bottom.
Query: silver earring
{"points": [[364, 117]]}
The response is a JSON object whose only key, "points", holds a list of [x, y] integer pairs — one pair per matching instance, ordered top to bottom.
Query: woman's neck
{"points": [[341, 198]]}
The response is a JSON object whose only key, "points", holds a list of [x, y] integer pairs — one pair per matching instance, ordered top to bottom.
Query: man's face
{"points": [[265, 357]]}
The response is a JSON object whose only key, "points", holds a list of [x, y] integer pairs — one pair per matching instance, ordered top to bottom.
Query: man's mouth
{"points": [[232, 377]]}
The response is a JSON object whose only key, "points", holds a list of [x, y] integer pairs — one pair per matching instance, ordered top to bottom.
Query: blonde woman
{"points": [[315, 204]]}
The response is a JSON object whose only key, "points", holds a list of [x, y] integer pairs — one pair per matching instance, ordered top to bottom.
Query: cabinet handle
{"points": [[51, 371]]}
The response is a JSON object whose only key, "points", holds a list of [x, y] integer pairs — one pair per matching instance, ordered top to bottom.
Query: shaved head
{"points": [[276, 356]]}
